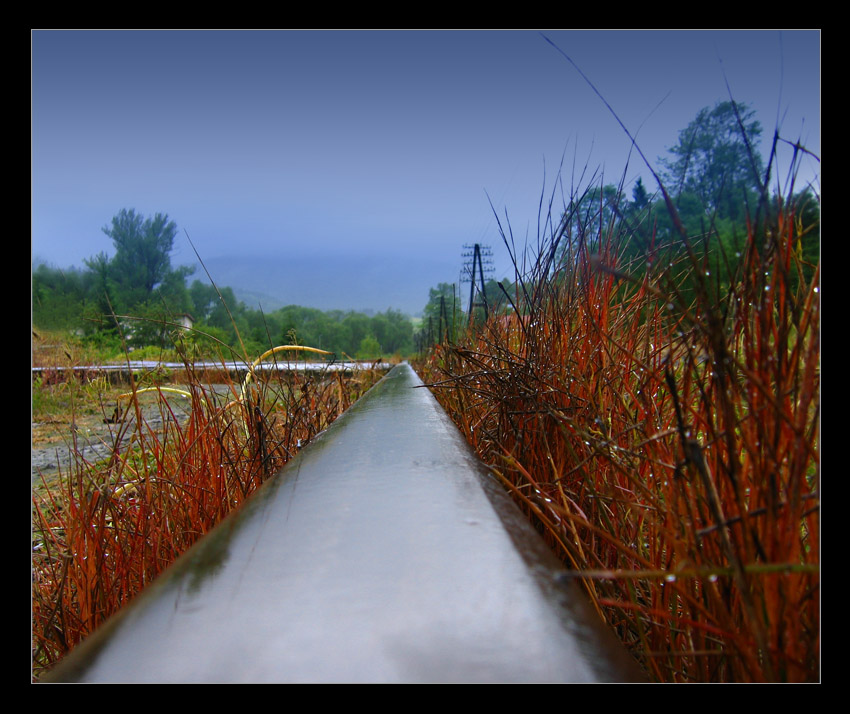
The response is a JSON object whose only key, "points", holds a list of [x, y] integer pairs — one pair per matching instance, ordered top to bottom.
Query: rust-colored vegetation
{"points": [[657, 415], [104, 530]]}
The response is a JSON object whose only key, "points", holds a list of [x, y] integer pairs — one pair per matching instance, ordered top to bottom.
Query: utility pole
{"points": [[476, 257], [444, 320]]}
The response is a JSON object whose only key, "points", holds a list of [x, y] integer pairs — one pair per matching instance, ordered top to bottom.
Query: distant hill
{"points": [[335, 282]]}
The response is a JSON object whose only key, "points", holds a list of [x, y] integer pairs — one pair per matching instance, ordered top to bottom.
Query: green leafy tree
{"points": [[716, 159], [713, 173], [640, 196], [587, 220], [637, 220], [141, 268], [103, 294], [59, 297], [204, 300], [215, 307], [442, 314], [357, 326], [394, 331], [335, 336], [369, 348]]}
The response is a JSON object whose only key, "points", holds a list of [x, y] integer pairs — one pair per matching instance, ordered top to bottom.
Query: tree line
{"points": [[714, 175], [717, 182], [137, 297]]}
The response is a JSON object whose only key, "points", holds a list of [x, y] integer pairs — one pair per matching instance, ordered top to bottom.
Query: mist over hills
{"points": [[363, 283]]}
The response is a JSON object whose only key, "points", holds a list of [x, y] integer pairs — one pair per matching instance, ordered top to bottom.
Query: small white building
{"points": [[186, 321]]}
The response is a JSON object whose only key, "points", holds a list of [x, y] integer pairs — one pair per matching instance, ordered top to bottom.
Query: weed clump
{"points": [[661, 426], [111, 526]]}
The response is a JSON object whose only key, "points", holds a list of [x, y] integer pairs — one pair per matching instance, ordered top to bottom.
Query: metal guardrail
{"points": [[384, 552]]}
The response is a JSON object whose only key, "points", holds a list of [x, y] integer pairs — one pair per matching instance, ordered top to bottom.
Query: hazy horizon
{"points": [[381, 147]]}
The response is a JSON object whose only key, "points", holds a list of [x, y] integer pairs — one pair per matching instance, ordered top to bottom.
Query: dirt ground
{"points": [[62, 435], [90, 436]]}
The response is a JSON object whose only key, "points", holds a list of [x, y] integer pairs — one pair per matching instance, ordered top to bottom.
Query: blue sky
{"points": [[337, 145]]}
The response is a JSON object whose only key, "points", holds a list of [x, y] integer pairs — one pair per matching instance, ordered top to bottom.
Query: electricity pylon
{"points": [[478, 260]]}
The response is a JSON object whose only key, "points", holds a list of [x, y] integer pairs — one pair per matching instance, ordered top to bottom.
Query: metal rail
{"points": [[122, 372], [384, 552]]}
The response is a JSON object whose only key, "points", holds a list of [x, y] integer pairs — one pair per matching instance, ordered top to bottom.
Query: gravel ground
{"points": [[53, 441]]}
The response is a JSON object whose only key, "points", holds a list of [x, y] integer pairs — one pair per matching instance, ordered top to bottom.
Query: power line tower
{"points": [[478, 261]]}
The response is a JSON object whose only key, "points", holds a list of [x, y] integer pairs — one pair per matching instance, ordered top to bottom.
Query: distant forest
{"points": [[714, 176], [138, 298]]}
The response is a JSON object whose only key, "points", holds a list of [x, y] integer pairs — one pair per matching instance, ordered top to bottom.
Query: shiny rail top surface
{"points": [[384, 552]]}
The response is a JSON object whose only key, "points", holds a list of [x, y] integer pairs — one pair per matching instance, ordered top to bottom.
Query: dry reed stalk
{"points": [[675, 442], [113, 526]]}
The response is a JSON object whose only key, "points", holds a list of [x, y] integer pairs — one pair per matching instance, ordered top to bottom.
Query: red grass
{"points": [[668, 451], [113, 526]]}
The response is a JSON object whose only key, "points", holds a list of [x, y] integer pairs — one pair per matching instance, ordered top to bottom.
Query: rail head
{"points": [[384, 552]]}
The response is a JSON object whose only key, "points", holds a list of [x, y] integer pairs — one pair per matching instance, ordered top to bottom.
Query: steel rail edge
{"points": [[385, 552]]}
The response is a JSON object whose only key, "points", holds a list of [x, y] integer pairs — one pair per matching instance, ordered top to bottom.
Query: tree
{"points": [[717, 160], [640, 196], [587, 220], [142, 261], [103, 293], [59, 297], [204, 300], [497, 302], [442, 315], [356, 326], [393, 330], [369, 348]]}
